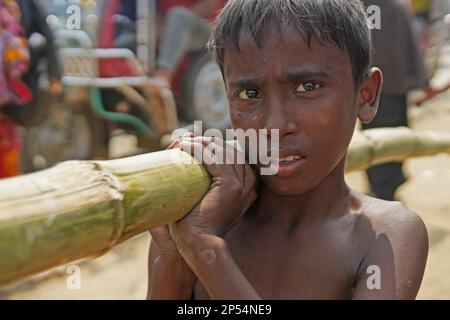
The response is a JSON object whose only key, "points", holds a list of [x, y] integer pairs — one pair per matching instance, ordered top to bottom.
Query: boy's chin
{"points": [[288, 186]]}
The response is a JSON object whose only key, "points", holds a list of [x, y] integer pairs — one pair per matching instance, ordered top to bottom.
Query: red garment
{"points": [[165, 5], [215, 14], [112, 67], [10, 146]]}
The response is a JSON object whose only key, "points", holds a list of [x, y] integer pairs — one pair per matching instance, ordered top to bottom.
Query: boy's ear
{"points": [[370, 91]]}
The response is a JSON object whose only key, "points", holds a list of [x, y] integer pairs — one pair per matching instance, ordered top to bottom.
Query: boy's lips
{"points": [[287, 163], [288, 167]]}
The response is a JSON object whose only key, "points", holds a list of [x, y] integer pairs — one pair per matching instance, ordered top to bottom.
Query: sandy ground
{"points": [[122, 273]]}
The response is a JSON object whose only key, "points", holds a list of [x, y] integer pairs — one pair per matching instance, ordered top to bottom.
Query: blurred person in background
{"points": [[421, 8], [430, 10], [427, 12], [20, 19], [34, 21], [182, 27], [185, 28], [41, 46], [396, 53], [14, 62]]}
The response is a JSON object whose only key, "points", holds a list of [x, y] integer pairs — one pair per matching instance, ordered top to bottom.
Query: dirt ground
{"points": [[122, 273]]}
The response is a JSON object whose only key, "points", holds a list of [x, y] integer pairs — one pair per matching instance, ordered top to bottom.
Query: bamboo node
{"points": [[116, 189]]}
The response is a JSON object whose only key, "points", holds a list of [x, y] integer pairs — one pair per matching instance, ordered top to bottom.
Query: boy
{"points": [[302, 67]]}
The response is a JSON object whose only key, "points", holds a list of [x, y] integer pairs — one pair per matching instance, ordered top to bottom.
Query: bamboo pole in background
{"points": [[377, 146], [81, 209]]}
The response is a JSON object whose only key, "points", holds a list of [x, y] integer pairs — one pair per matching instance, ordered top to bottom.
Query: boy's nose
{"points": [[279, 118]]}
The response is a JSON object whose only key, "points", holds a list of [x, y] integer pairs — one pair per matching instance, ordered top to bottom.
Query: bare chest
{"points": [[308, 265]]}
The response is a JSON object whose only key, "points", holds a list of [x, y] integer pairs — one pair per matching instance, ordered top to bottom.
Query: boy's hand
{"points": [[232, 192], [166, 246], [170, 278]]}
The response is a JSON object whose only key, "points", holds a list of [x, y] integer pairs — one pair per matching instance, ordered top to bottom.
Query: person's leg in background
{"points": [[184, 32], [386, 178]]}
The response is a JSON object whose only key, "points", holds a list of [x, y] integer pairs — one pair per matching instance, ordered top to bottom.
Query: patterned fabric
{"points": [[14, 54], [14, 62]]}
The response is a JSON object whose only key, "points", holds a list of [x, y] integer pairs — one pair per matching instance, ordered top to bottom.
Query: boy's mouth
{"points": [[288, 159], [285, 165], [288, 166]]}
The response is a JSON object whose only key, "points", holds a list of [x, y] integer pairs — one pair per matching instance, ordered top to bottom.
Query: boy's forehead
{"points": [[283, 51]]}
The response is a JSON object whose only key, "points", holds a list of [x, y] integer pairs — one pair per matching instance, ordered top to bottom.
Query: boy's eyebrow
{"points": [[299, 75], [289, 76], [244, 82]]}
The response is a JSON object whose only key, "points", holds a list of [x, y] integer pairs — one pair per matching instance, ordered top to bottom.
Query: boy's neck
{"points": [[330, 198]]}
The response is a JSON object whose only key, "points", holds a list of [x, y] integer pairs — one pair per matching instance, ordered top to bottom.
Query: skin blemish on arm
{"points": [[209, 256], [410, 283]]}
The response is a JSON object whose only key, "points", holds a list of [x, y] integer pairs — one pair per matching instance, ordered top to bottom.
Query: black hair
{"points": [[342, 23]]}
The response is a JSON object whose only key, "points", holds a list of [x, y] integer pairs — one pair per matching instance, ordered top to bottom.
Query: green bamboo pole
{"points": [[377, 146], [81, 209]]}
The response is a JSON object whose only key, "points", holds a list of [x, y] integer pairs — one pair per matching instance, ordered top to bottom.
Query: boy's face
{"points": [[308, 93]]}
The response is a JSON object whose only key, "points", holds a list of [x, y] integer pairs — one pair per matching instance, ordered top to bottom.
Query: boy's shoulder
{"points": [[390, 217], [391, 227], [395, 241]]}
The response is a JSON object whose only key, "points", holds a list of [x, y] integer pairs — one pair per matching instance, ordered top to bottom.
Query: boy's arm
{"points": [[199, 236], [394, 266], [215, 267], [169, 278]]}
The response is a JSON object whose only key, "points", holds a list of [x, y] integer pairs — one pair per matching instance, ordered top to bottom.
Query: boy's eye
{"points": [[307, 87], [249, 94]]}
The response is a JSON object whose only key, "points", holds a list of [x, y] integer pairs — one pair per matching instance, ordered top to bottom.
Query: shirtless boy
{"points": [[302, 67]]}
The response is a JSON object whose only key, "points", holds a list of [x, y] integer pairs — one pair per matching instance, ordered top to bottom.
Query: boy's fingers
{"points": [[204, 140], [175, 143], [214, 144], [193, 148], [222, 154], [228, 154], [203, 155], [219, 158], [239, 163], [240, 172], [249, 177], [251, 198], [161, 235]]}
